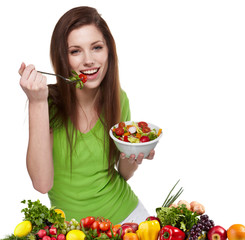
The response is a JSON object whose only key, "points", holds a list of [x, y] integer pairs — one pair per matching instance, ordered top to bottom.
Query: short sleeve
{"points": [[125, 108]]}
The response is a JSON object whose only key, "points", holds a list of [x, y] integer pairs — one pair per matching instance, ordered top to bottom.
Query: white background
{"points": [[182, 66]]}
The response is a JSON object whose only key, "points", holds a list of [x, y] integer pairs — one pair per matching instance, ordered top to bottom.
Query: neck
{"points": [[87, 97]]}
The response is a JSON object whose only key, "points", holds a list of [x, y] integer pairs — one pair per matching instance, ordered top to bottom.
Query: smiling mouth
{"points": [[90, 71]]}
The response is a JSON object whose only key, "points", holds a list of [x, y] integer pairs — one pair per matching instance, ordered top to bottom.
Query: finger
{"points": [[22, 68], [27, 72], [36, 80], [32, 83], [151, 155], [122, 156], [140, 157], [131, 158]]}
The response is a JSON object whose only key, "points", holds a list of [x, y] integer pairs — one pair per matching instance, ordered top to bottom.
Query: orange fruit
{"points": [[59, 211], [236, 232], [130, 236]]}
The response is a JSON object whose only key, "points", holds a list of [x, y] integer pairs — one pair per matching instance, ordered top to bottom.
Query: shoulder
{"points": [[123, 97], [125, 108]]}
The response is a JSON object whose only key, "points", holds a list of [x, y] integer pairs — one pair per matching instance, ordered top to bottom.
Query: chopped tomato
{"points": [[122, 124], [142, 124], [146, 129]]}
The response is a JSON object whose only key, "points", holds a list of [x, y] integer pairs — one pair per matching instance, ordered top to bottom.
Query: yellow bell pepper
{"points": [[148, 230]]}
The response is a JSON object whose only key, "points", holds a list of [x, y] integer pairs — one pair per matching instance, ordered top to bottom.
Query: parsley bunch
{"points": [[40, 216], [179, 217]]}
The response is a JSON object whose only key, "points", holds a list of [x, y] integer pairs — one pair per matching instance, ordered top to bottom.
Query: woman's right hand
{"points": [[33, 83]]}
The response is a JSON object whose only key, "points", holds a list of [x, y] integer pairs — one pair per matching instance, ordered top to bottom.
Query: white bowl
{"points": [[135, 148]]}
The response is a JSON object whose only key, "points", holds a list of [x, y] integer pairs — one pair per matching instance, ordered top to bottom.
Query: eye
{"points": [[97, 47], [74, 51]]}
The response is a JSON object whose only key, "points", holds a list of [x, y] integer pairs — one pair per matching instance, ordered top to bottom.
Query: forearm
{"points": [[39, 153]]}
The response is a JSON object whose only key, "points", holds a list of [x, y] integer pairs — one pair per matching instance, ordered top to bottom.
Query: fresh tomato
{"points": [[83, 77], [122, 124], [142, 124], [146, 129], [119, 131], [144, 139], [88, 221], [95, 225], [104, 226], [109, 234]]}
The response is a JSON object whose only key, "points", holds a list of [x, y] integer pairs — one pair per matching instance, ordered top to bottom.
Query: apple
{"points": [[151, 218], [133, 225], [125, 229], [217, 233]]}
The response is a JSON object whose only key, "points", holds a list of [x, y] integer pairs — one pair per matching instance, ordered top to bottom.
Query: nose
{"points": [[88, 59]]}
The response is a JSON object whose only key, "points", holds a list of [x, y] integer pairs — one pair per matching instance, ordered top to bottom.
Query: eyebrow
{"points": [[76, 46]]}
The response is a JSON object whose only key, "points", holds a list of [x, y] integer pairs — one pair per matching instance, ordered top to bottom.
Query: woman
{"points": [[70, 155]]}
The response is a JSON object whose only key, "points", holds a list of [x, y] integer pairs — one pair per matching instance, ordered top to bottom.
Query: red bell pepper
{"points": [[171, 233]]}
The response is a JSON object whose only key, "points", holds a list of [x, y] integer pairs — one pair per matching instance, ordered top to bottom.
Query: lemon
{"points": [[59, 211], [23, 229], [75, 235]]}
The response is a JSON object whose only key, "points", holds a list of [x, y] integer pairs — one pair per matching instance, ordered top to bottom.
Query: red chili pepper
{"points": [[171, 233]]}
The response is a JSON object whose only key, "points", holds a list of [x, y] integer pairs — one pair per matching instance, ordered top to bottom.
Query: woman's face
{"points": [[88, 54]]}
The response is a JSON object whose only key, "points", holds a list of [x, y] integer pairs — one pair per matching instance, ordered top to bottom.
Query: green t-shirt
{"points": [[89, 191]]}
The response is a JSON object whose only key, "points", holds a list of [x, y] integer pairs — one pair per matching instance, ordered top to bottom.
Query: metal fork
{"points": [[57, 75]]}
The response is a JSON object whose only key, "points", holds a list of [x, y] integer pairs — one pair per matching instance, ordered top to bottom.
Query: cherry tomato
{"points": [[83, 77], [122, 124], [142, 124], [146, 129], [119, 131], [144, 139], [88, 221], [95, 225], [104, 226], [108, 233]]}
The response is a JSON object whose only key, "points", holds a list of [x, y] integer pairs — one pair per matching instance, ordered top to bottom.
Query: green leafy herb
{"points": [[40, 216], [179, 217]]}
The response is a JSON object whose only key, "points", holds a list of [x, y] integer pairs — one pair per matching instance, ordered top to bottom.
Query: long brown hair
{"points": [[63, 97]]}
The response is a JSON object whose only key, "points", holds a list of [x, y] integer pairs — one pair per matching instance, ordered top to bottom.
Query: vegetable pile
{"points": [[135, 133], [172, 222]]}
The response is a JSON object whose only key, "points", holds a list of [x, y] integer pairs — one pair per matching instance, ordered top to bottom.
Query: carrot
{"points": [[129, 126], [159, 132], [126, 134], [138, 135]]}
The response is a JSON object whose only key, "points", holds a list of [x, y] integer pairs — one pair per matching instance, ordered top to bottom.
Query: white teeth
{"points": [[92, 71]]}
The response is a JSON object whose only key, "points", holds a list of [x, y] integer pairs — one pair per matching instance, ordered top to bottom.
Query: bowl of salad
{"points": [[135, 137]]}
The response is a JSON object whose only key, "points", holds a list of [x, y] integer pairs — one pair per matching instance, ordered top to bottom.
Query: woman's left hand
{"points": [[132, 159], [127, 166]]}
